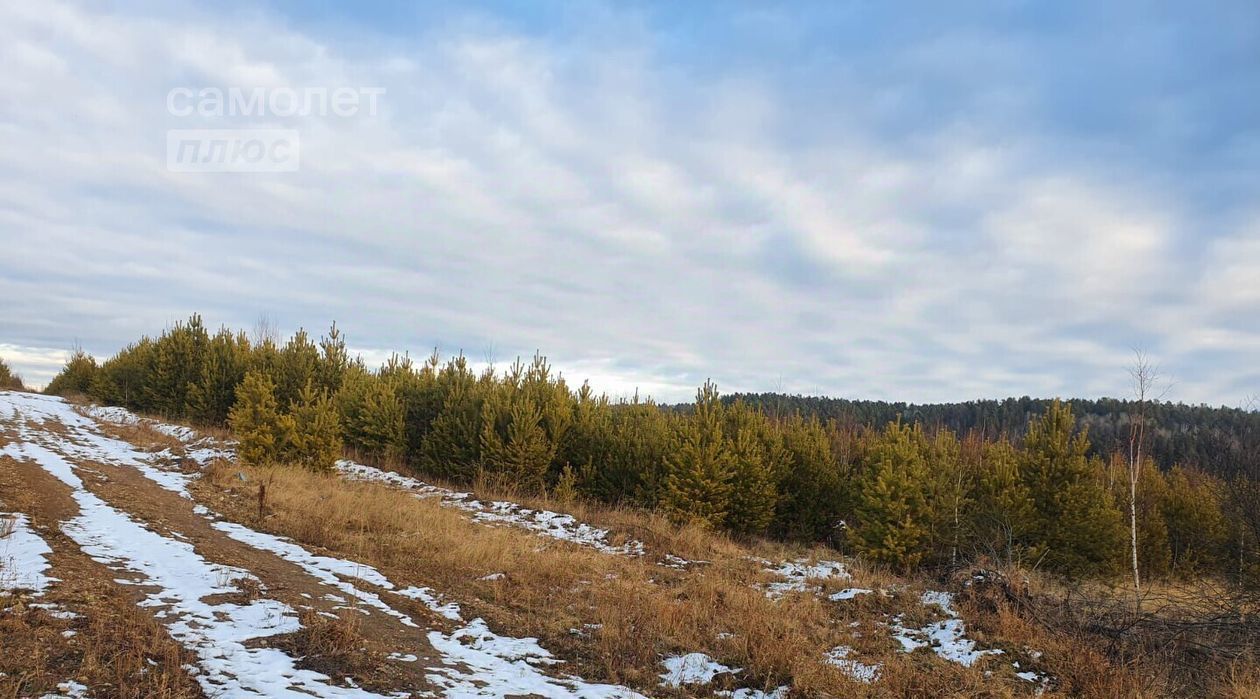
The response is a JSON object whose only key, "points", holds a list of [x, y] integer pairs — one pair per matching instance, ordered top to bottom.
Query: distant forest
{"points": [[1223, 441]]}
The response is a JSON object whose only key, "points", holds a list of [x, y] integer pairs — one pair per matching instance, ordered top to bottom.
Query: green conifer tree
{"points": [[178, 357], [334, 361], [295, 365], [75, 377], [9, 381], [210, 398], [372, 414], [263, 434], [315, 441], [514, 443], [451, 447], [755, 471], [698, 486], [566, 489], [814, 498], [893, 515], [1002, 517], [1077, 523], [1198, 533]]}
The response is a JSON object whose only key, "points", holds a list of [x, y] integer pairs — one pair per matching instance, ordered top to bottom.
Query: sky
{"points": [[902, 201]]}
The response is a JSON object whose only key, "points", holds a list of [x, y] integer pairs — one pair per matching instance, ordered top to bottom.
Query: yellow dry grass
{"points": [[614, 617]]}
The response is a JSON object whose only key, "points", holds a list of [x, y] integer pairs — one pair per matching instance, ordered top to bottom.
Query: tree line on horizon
{"points": [[1220, 440], [905, 492]]}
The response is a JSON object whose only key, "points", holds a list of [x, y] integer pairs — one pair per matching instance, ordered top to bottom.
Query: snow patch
{"points": [[545, 522], [23, 556], [323, 568], [802, 575], [450, 610], [946, 638], [499, 666], [692, 668], [862, 672], [71, 689], [745, 693]]}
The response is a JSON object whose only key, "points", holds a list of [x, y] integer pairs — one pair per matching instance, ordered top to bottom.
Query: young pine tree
{"points": [[178, 358], [333, 363], [295, 365], [76, 377], [9, 380], [210, 397], [371, 413], [262, 432], [316, 437], [514, 442], [451, 447], [755, 470], [698, 485], [814, 495], [893, 515], [1002, 517], [1076, 523], [1198, 534]]}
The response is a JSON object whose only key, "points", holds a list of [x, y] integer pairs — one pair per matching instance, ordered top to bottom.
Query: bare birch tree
{"points": [[1144, 376]]}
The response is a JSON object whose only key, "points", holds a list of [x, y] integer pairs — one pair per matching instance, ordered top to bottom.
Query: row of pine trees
{"points": [[893, 493]]}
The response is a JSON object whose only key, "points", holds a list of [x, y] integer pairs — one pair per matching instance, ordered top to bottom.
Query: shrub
{"points": [[76, 377], [8, 379]]}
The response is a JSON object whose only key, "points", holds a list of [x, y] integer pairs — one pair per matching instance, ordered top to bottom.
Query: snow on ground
{"points": [[200, 449], [545, 522], [555, 525], [23, 556], [680, 563], [323, 568], [802, 575], [180, 580], [848, 594], [430, 599], [946, 638], [477, 662], [499, 666], [692, 668], [698, 669], [862, 672], [1031, 676], [70, 689], [777, 693]]}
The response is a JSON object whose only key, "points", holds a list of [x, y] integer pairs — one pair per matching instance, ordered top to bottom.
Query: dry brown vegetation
{"points": [[614, 617], [113, 646]]}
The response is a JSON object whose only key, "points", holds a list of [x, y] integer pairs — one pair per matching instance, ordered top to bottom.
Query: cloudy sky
{"points": [[853, 199]]}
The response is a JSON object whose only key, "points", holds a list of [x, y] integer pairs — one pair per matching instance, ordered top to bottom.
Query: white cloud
{"points": [[644, 229]]}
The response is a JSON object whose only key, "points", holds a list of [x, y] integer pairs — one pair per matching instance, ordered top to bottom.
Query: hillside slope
{"points": [[141, 560]]}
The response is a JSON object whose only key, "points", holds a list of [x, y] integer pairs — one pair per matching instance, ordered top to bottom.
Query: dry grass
{"points": [[144, 436], [614, 617], [335, 645], [115, 648]]}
